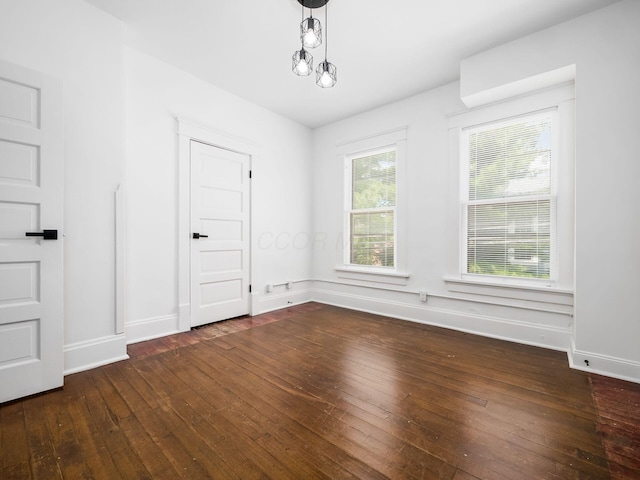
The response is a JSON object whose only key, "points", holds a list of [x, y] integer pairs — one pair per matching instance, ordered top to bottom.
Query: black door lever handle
{"points": [[45, 234], [197, 235]]}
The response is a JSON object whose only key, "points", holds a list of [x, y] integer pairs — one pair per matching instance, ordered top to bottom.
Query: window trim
{"points": [[562, 99], [345, 153]]}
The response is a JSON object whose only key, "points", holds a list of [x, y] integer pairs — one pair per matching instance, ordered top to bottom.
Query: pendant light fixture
{"points": [[310, 31], [311, 37], [302, 61], [326, 73]]}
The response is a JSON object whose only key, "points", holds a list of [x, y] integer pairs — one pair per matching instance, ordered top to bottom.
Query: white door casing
{"points": [[31, 200], [220, 217]]}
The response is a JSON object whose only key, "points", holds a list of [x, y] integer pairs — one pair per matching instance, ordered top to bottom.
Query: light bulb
{"points": [[311, 32], [309, 38], [302, 63], [303, 68], [326, 75], [326, 79]]}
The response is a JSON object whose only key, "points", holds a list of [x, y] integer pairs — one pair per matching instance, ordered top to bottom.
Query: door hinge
{"points": [[250, 174], [249, 288]]}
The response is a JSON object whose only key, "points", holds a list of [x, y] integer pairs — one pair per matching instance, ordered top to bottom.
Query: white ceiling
{"points": [[384, 50]]}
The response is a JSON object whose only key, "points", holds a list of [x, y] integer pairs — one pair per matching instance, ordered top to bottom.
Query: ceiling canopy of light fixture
{"points": [[313, 3]]}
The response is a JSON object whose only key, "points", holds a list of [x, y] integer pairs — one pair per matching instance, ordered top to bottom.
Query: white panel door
{"points": [[31, 196], [220, 210]]}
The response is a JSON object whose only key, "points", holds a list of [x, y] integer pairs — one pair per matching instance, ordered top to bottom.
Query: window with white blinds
{"points": [[509, 197], [372, 209]]}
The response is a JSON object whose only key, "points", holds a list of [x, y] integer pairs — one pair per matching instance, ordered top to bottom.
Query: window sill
{"points": [[373, 275], [534, 293]]}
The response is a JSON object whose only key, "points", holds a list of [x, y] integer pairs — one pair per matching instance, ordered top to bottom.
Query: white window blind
{"points": [[510, 201], [372, 210]]}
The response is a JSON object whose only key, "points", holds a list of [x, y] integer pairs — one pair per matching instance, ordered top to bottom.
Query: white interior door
{"points": [[31, 200], [220, 215]]}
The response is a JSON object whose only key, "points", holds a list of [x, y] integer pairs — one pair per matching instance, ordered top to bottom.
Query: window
{"points": [[514, 170], [509, 197], [372, 208], [374, 247]]}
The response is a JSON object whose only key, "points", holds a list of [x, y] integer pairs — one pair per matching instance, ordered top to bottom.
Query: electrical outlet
{"points": [[289, 285], [269, 288], [423, 296]]}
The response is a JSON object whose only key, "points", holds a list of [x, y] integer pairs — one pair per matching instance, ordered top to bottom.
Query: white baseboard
{"points": [[268, 302], [184, 317], [150, 328], [555, 338], [94, 353], [604, 365]]}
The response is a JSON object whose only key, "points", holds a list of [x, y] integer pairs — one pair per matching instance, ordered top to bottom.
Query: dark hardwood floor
{"points": [[316, 391], [618, 406]]}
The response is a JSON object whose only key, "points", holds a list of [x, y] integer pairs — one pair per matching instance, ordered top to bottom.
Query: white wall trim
{"points": [[513, 89], [561, 100], [532, 102], [204, 133], [375, 140], [345, 153], [120, 254], [372, 275], [547, 295], [264, 303], [184, 316], [150, 328], [555, 338], [102, 351], [97, 352], [604, 365]]}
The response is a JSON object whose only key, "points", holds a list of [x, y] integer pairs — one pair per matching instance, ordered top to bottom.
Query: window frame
{"points": [[561, 101], [346, 152]]}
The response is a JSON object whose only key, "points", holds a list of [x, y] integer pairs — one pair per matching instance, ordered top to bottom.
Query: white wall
{"points": [[80, 45], [605, 47], [155, 94], [427, 171], [432, 212]]}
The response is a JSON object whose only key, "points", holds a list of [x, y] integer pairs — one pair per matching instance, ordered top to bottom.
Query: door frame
{"points": [[188, 131]]}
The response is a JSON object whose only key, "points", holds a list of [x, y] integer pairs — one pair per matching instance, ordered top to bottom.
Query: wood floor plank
{"points": [[458, 360], [440, 391], [320, 392], [288, 401], [618, 404], [107, 409], [156, 419], [443, 425], [339, 427], [62, 433], [89, 435], [271, 435], [13, 442], [142, 443], [316, 449], [240, 453], [44, 463]]}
